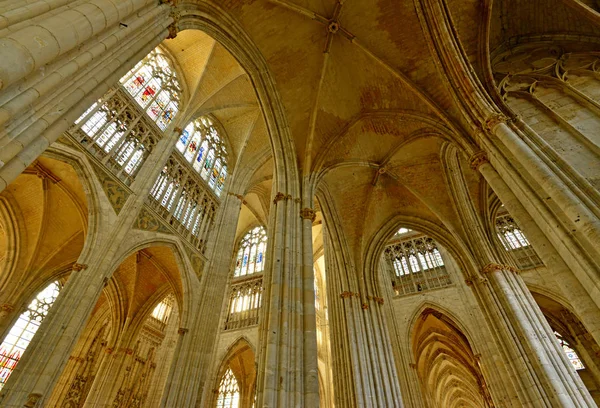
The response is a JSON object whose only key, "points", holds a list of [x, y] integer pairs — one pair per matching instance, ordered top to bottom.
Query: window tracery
{"points": [[154, 86], [122, 133], [202, 146], [183, 201], [514, 241], [251, 255], [416, 265], [244, 303], [22, 332], [571, 354], [229, 391]]}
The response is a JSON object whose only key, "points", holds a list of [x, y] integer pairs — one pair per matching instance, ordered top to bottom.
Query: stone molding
{"points": [[7, 308]]}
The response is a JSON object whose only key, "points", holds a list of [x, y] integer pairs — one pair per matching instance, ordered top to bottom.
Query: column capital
{"points": [[494, 120], [478, 159], [280, 196], [308, 214], [79, 267], [493, 267], [7, 308], [182, 330], [32, 400]]}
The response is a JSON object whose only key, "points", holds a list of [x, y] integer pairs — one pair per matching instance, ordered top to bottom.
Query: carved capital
{"points": [[172, 31], [494, 120], [178, 130], [478, 159], [278, 197], [308, 214], [79, 267], [491, 267], [512, 269], [469, 282], [346, 294], [377, 300], [365, 306], [7, 308], [182, 330], [109, 350], [128, 351], [413, 366], [32, 400]]}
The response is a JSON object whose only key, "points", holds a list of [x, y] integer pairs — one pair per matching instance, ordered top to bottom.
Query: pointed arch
{"points": [[240, 362]]}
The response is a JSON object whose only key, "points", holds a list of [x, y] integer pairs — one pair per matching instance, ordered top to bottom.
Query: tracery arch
{"points": [[23, 330], [236, 377]]}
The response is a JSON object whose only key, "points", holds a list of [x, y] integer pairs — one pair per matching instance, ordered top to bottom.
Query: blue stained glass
{"points": [[184, 136], [200, 153], [260, 256], [245, 261]]}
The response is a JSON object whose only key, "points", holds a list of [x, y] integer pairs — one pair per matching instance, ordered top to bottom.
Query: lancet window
{"points": [[121, 132], [202, 146], [183, 201], [514, 241], [251, 255], [415, 264], [24, 329], [571, 354], [229, 391]]}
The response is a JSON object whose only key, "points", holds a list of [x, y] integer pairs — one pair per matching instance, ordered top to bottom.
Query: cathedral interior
{"points": [[299, 203]]}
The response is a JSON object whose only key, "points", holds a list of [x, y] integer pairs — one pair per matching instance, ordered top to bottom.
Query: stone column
{"points": [[55, 65], [565, 277], [193, 354], [364, 370], [286, 374], [542, 374]]}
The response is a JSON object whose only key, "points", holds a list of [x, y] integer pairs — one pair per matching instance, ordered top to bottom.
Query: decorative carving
{"points": [[172, 31], [495, 120], [178, 130], [478, 159], [117, 195], [280, 196], [308, 214], [149, 222], [196, 261], [79, 267], [491, 267], [469, 281], [346, 294], [378, 300], [365, 306], [7, 308], [182, 330], [109, 350], [32, 400]]}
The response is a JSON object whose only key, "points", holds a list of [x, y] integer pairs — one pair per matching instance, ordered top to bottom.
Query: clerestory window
{"points": [[203, 147], [251, 255], [22, 332]]}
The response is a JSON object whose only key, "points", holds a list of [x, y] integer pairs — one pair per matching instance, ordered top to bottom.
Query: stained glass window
{"points": [[154, 86], [203, 147], [515, 242], [251, 255], [415, 264], [24, 329], [571, 354], [229, 391]]}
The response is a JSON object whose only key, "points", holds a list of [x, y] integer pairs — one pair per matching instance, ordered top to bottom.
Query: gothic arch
{"points": [[375, 246], [240, 358], [447, 367]]}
